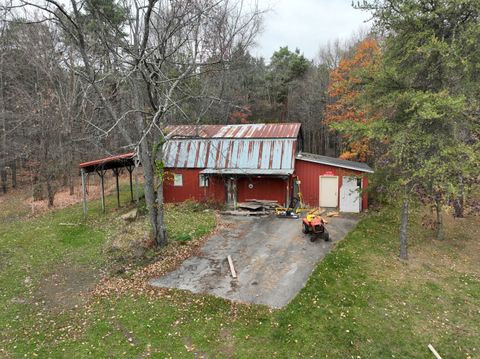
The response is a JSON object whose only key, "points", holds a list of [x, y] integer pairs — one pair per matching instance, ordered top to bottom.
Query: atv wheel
{"points": [[305, 229], [326, 236]]}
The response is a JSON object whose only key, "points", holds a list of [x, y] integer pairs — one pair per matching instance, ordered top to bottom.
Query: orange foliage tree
{"points": [[345, 108]]}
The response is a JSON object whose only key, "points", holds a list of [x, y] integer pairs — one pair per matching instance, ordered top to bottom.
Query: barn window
{"points": [[177, 180], [203, 181]]}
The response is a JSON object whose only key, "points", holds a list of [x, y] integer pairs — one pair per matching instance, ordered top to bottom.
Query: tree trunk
{"points": [[13, 166], [3, 178], [71, 184], [37, 188], [50, 193], [154, 202], [459, 202], [404, 229], [439, 232], [161, 238]]}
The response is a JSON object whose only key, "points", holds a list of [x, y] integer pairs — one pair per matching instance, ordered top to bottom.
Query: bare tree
{"points": [[157, 52]]}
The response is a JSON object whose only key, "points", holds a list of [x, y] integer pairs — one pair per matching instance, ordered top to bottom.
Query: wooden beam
{"points": [[130, 170], [116, 172], [101, 173], [84, 191], [137, 194], [232, 269], [432, 349]]}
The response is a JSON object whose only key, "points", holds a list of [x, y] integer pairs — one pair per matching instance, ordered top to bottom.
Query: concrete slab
{"points": [[272, 257]]}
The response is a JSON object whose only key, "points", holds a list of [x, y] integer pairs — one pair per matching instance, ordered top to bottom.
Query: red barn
{"points": [[235, 163]]}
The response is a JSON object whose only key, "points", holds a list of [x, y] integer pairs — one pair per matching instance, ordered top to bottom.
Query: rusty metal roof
{"points": [[268, 130], [230, 153], [109, 162], [250, 172]]}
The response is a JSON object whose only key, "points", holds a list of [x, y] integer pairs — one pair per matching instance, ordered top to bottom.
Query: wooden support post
{"points": [[130, 170], [116, 172], [101, 173], [84, 191], [137, 194], [288, 198]]}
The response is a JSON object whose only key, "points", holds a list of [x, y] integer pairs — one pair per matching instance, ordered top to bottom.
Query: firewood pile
{"points": [[253, 207]]}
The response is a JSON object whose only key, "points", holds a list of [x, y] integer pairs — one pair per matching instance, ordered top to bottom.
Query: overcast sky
{"points": [[306, 24]]}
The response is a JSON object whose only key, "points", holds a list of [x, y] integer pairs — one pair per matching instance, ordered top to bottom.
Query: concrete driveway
{"points": [[272, 257]]}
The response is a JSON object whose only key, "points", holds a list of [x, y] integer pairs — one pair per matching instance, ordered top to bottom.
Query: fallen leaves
{"points": [[171, 257]]}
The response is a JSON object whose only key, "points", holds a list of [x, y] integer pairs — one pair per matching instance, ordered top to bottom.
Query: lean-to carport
{"points": [[115, 163]]}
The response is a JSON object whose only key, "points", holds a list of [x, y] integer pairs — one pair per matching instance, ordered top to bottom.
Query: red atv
{"points": [[315, 226]]}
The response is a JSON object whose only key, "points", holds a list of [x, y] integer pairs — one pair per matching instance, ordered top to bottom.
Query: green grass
{"points": [[360, 302]]}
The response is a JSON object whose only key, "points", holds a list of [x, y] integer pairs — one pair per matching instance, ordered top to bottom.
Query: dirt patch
{"points": [[67, 288], [126, 333], [188, 342], [228, 343]]}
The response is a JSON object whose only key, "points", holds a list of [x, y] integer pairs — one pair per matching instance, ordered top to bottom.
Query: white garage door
{"points": [[328, 191], [350, 200]]}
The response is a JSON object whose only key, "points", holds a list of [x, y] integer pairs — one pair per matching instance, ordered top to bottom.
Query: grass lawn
{"points": [[360, 302]]}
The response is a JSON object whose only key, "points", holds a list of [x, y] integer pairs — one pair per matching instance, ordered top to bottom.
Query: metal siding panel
{"points": [[222, 148], [236, 149], [266, 151], [192, 152], [166, 153], [243, 153], [182, 154], [187, 154], [202, 154], [212, 155], [277, 155], [253, 158], [288, 158]]}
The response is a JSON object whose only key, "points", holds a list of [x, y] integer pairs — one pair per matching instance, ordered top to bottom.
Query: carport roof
{"points": [[118, 161], [336, 162]]}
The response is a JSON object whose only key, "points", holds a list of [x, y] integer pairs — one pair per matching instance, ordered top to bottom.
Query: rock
{"points": [[130, 216]]}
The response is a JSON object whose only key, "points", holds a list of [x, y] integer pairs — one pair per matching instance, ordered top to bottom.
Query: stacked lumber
{"points": [[258, 204], [253, 207]]}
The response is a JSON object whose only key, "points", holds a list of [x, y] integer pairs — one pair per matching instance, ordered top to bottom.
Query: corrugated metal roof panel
{"points": [[268, 130], [261, 154], [105, 160], [336, 162], [254, 172]]}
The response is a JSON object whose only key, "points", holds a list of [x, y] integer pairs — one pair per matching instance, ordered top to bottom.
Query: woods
{"points": [[110, 76], [239, 178]]}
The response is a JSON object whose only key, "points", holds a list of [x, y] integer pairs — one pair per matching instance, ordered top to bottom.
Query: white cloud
{"points": [[307, 24]]}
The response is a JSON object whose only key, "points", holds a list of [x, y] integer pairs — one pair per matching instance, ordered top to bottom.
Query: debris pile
{"points": [[253, 207]]}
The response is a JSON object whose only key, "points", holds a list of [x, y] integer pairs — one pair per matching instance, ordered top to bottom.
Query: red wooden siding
{"points": [[309, 173], [191, 187], [263, 188], [267, 188]]}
